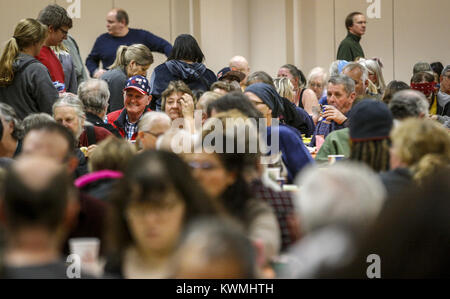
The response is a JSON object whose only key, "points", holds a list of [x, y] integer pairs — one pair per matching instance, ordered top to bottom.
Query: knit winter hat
{"points": [[370, 120]]}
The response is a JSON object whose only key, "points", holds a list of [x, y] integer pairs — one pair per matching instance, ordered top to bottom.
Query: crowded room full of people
{"points": [[119, 166]]}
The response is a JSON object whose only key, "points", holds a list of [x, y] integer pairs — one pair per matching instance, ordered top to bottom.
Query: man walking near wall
{"points": [[350, 49]]}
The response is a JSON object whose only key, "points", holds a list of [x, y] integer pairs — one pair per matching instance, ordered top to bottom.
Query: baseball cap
{"points": [[228, 73], [139, 83]]}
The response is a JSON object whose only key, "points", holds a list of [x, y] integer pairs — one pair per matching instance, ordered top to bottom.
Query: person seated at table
{"points": [[340, 96], [136, 98], [294, 153]]}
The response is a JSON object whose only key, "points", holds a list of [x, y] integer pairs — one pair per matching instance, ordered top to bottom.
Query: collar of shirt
{"points": [[130, 128]]}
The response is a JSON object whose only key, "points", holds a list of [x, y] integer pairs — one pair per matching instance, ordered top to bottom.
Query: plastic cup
{"points": [[334, 158], [87, 249]]}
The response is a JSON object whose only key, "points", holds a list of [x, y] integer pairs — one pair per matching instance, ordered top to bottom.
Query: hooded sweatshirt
{"points": [[195, 75], [32, 90], [443, 104]]}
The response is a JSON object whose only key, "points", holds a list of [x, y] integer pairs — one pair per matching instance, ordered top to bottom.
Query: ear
{"points": [[51, 29], [441, 78], [352, 97], [149, 100], [11, 127]]}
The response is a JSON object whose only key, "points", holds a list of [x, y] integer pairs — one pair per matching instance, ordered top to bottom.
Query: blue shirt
{"points": [[106, 46], [294, 153]]}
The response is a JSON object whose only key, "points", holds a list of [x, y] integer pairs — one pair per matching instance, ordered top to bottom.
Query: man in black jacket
{"points": [[94, 94]]}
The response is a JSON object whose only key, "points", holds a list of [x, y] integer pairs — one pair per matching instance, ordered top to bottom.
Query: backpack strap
{"points": [[26, 64], [90, 132]]}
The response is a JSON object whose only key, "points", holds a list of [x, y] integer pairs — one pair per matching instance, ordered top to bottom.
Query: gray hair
{"points": [[355, 65], [374, 67], [422, 67], [445, 70], [318, 72], [346, 81], [94, 94], [206, 99], [70, 100], [408, 103], [9, 115], [150, 118], [36, 119], [346, 193], [210, 240]]}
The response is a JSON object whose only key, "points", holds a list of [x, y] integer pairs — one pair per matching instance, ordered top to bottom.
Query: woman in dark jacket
{"points": [[185, 63], [25, 83]]}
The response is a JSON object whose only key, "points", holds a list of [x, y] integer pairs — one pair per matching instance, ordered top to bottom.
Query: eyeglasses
{"points": [[64, 31], [315, 85]]}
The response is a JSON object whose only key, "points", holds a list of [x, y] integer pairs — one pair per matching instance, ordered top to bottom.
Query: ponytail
{"points": [[26, 34], [141, 54], [120, 58], [6, 62]]}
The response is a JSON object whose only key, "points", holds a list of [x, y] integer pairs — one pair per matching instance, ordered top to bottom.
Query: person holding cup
{"points": [[340, 96]]}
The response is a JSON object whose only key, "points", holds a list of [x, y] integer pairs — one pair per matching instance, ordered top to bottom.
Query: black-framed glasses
{"points": [[63, 31]]}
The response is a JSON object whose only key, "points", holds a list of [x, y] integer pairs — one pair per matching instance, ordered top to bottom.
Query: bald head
{"points": [[117, 22], [239, 63]]}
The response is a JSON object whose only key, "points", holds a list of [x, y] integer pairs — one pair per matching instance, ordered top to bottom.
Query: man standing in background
{"points": [[119, 34], [350, 49]]}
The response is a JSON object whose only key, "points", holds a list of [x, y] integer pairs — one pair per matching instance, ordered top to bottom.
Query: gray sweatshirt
{"points": [[116, 79], [32, 90]]}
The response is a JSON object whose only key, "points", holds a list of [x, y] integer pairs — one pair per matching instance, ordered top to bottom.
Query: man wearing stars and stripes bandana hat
{"points": [[136, 98]]}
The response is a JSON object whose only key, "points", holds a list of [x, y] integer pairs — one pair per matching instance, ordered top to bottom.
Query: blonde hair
{"points": [[27, 33], [137, 52], [374, 67], [284, 88], [423, 145], [111, 154]]}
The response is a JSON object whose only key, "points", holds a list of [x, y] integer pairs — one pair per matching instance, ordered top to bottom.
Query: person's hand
{"points": [[98, 73], [187, 106], [331, 113], [433, 117], [90, 150]]}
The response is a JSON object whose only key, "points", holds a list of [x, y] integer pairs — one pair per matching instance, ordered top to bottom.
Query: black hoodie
{"points": [[195, 75]]}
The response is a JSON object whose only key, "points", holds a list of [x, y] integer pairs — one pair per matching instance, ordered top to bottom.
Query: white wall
{"points": [[269, 33]]}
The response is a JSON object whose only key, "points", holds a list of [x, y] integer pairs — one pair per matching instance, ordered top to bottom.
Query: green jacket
{"points": [[350, 49], [336, 143]]}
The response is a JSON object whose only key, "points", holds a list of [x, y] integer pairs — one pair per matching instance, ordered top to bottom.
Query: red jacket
{"points": [[118, 119]]}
